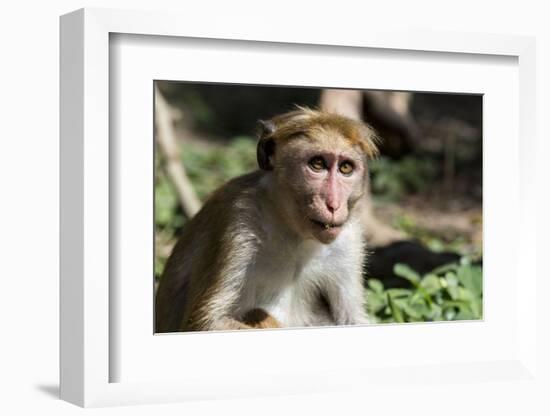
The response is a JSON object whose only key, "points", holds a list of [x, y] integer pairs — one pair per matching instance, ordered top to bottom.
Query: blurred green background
{"points": [[430, 192]]}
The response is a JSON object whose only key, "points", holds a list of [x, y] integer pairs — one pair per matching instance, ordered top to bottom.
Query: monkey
{"points": [[282, 246]]}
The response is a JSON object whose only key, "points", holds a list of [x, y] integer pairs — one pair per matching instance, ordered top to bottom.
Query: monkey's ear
{"points": [[267, 128], [266, 145]]}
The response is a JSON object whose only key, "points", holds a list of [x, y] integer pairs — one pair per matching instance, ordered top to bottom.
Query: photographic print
{"points": [[293, 207]]}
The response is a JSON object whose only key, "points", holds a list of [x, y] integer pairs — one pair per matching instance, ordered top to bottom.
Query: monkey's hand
{"points": [[258, 318]]}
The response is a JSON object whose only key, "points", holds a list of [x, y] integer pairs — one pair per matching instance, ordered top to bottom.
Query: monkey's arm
{"points": [[220, 282], [347, 301], [214, 307], [215, 310], [258, 318], [254, 319]]}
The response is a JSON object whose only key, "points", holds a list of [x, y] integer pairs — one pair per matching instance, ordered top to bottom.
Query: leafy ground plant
{"points": [[391, 179], [450, 292]]}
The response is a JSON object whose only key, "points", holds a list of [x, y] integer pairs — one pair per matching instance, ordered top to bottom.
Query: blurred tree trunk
{"points": [[168, 146]]}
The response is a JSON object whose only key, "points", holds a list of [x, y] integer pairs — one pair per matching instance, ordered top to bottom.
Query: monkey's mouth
{"points": [[325, 225]]}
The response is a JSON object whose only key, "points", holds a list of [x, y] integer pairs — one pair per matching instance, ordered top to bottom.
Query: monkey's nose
{"points": [[332, 206]]}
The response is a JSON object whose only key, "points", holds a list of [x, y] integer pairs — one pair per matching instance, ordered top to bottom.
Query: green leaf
{"points": [[436, 245], [465, 261], [445, 268], [404, 271], [471, 278], [451, 279], [430, 283], [376, 285], [399, 292], [453, 292], [465, 295], [417, 298], [375, 301], [401, 303], [477, 307], [395, 311], [413, 312], [434, 313], [449, 313], [464, 315]]}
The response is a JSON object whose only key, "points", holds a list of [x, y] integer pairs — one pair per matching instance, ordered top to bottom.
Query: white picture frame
{"points": [[87, 301]]}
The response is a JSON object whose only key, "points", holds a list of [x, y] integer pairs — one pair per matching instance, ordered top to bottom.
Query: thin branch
{"points": [[168, 146]]}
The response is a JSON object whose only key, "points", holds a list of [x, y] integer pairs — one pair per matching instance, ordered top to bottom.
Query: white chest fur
{"points": [[294, 282]]}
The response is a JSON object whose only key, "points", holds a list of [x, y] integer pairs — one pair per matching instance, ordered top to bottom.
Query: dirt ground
{"points": [[442, 223]]}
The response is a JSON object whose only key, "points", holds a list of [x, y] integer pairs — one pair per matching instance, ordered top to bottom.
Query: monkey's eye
{"points": [[317, 164], [345, 168]]}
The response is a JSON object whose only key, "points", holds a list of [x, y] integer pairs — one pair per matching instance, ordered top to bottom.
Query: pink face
{"points": [[326, 178]]}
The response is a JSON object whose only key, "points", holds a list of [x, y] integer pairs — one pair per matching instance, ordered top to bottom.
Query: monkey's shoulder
{"points": [[244, 188], [236, 200], [230, 211], [223, 231]]}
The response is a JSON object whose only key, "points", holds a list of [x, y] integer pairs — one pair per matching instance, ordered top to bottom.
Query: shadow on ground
{"points": [[51, 390]]}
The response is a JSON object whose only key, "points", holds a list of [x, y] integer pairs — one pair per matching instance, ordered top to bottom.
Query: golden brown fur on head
{"points": [[316, 123]]}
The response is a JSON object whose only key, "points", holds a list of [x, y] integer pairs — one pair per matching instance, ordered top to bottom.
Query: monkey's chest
{"points": [[291, 291]]}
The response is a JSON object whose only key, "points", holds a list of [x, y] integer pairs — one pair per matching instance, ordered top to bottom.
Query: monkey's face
{"points": [[323, 178]]}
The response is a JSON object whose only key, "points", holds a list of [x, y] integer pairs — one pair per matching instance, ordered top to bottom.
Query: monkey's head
{"points": [[318, 162]]}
